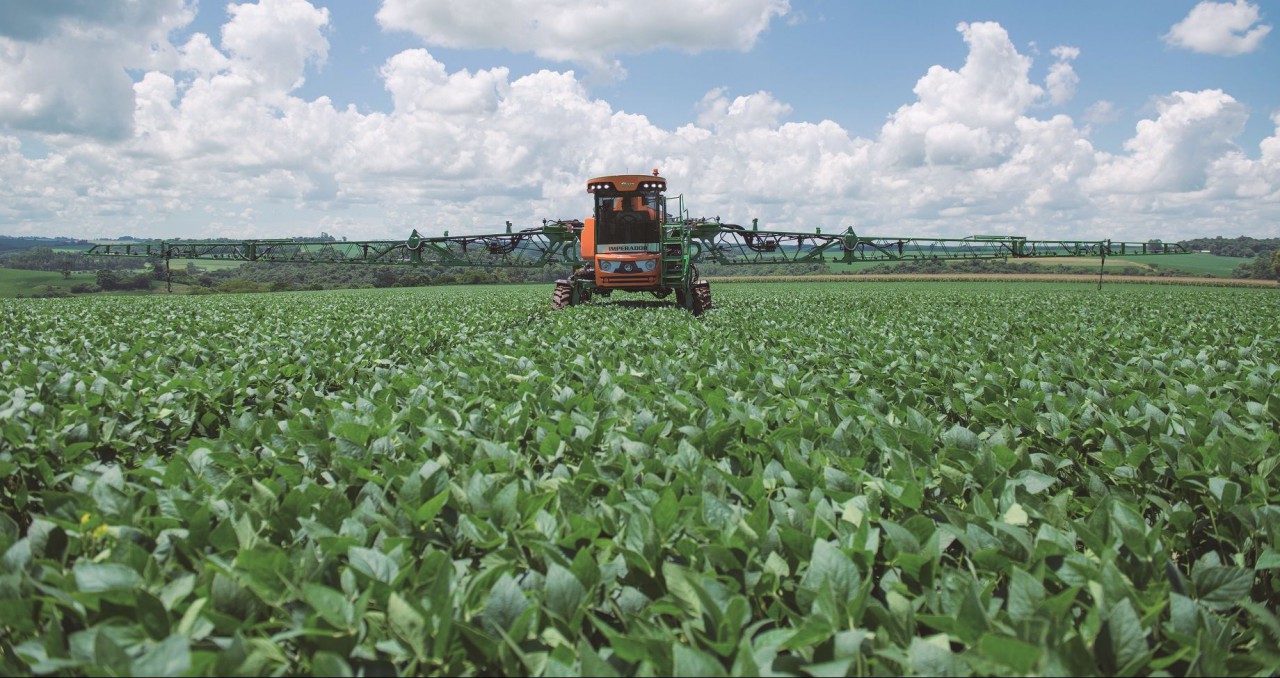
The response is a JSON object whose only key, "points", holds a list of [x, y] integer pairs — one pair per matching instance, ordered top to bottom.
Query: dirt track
{"points": [[1004, 277]]}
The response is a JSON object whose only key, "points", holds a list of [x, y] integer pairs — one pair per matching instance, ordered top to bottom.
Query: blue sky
{"points": [[851, 62], [1127, 120]]}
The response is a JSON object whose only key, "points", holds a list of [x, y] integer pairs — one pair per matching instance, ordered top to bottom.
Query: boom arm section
{"points": [[554, 242], [730, 244]]}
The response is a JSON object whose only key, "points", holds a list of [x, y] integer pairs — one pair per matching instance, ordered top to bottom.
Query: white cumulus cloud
{"points": [[1221, 28], [591, 34], [276, 40], [63, 65], [1062, 79], [964, 117], [220, 142], [1173, 152]]}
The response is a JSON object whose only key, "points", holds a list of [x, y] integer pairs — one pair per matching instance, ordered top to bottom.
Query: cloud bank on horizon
{"points": [[211, 137]]}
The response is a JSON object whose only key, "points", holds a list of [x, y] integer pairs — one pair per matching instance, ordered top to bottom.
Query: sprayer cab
{"points": [[622, 240]]}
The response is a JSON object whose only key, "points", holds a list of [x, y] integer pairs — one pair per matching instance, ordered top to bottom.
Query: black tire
{"points": [[562, 297], [701, 298]]}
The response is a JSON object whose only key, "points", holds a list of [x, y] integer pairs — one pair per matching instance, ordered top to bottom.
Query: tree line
{"points": [[1242, 246]]}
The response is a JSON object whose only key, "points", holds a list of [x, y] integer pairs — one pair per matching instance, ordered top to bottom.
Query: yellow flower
{"points": [[84, 519], [100, 531]]}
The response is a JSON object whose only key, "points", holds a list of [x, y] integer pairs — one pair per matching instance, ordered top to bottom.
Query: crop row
{"points": [[823, 478]]}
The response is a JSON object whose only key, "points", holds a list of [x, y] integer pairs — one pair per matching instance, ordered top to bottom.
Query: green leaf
{"points": [[960, 437], [550, 445], [1034, 482], [1227, 492], [430, 508], [665, 511], [17, 557], [1269, 560], [374, 564], [586, 569], [830, 573], [101, 577], [682, 586], [1221, 587], [564, 593], [1026, 593], [505, 604], [331, 605], [152, 615], [1184, 615], [971, 619], [407, 623], [1121, 641], [1016, 654], [108, 655], [932, 656], [172, 657], [690, 661], [330, 664], [592, 664]]}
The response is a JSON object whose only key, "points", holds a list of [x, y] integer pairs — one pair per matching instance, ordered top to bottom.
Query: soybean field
{"points": [[811, 479]]}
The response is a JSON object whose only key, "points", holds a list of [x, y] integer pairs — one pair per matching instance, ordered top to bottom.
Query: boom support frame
{"points": [[700, 241]]}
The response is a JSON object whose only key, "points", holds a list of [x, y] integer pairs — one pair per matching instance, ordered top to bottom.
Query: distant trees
{"points": [[10, 243], [1242, 246], [49, 259], [1265, 266], [384, 277], [109, 280]]}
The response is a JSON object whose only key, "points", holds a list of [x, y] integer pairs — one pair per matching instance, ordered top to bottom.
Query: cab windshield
{"points": [[628, 218]]}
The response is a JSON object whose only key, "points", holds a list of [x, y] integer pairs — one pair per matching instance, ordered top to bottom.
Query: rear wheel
{"points": [[562, 297], [701, 297]]}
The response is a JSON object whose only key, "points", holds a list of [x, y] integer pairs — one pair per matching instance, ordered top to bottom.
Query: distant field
{"points": [[1091, 262], [180, 264], [206, 264], [1199, 264], [1203, 264], [855, 266], [1001, 278], [15, 282]]}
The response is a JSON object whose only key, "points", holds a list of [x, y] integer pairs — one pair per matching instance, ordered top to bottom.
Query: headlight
{"points": [[647, 265], [607, 266]]}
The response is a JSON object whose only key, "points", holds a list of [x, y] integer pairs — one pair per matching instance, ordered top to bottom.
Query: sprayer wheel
{"points": [[562, 297]]}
